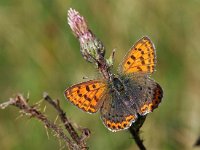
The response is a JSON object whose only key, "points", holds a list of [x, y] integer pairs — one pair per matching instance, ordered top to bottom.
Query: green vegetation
{"points": [[38, 53]]}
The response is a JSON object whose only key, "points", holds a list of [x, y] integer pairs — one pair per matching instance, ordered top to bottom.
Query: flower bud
{"points": [[91, 48]]}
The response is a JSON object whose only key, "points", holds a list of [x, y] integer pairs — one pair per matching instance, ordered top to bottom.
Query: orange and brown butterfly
{"points": [[129, 94]]}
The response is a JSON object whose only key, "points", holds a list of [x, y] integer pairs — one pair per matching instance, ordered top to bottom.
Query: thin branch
{"points": [[20, 102], [67, 123], [135, 132]]}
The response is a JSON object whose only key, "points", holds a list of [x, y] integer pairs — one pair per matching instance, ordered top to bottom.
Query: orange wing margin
{"points": [[141, 58], [87, 95]]}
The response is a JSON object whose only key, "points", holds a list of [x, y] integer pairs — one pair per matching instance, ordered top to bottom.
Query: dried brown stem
{"points": [[20, 102], [68, 126]]}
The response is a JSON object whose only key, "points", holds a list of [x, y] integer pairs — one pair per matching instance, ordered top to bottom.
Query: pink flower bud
{"points": [[92, 49]]}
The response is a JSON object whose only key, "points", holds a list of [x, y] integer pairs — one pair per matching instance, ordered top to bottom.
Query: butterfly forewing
{"points": [[141, 58], [87, 95]]}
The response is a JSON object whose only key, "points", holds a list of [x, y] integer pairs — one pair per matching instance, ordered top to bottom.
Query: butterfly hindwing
{"points": [[141, 58], [144, 92], [154, 93], [87, 95], [115, 114]]}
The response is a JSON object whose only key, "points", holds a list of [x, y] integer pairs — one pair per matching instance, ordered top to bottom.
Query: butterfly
{"points": [[129, 94]]}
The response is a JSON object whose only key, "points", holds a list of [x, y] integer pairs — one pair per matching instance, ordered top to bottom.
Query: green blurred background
{"points": [[38, 53]]}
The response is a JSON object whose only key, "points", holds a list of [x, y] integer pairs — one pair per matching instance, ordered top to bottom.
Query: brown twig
{"points": [[20, 102], [68, 126], [135, 132]]}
